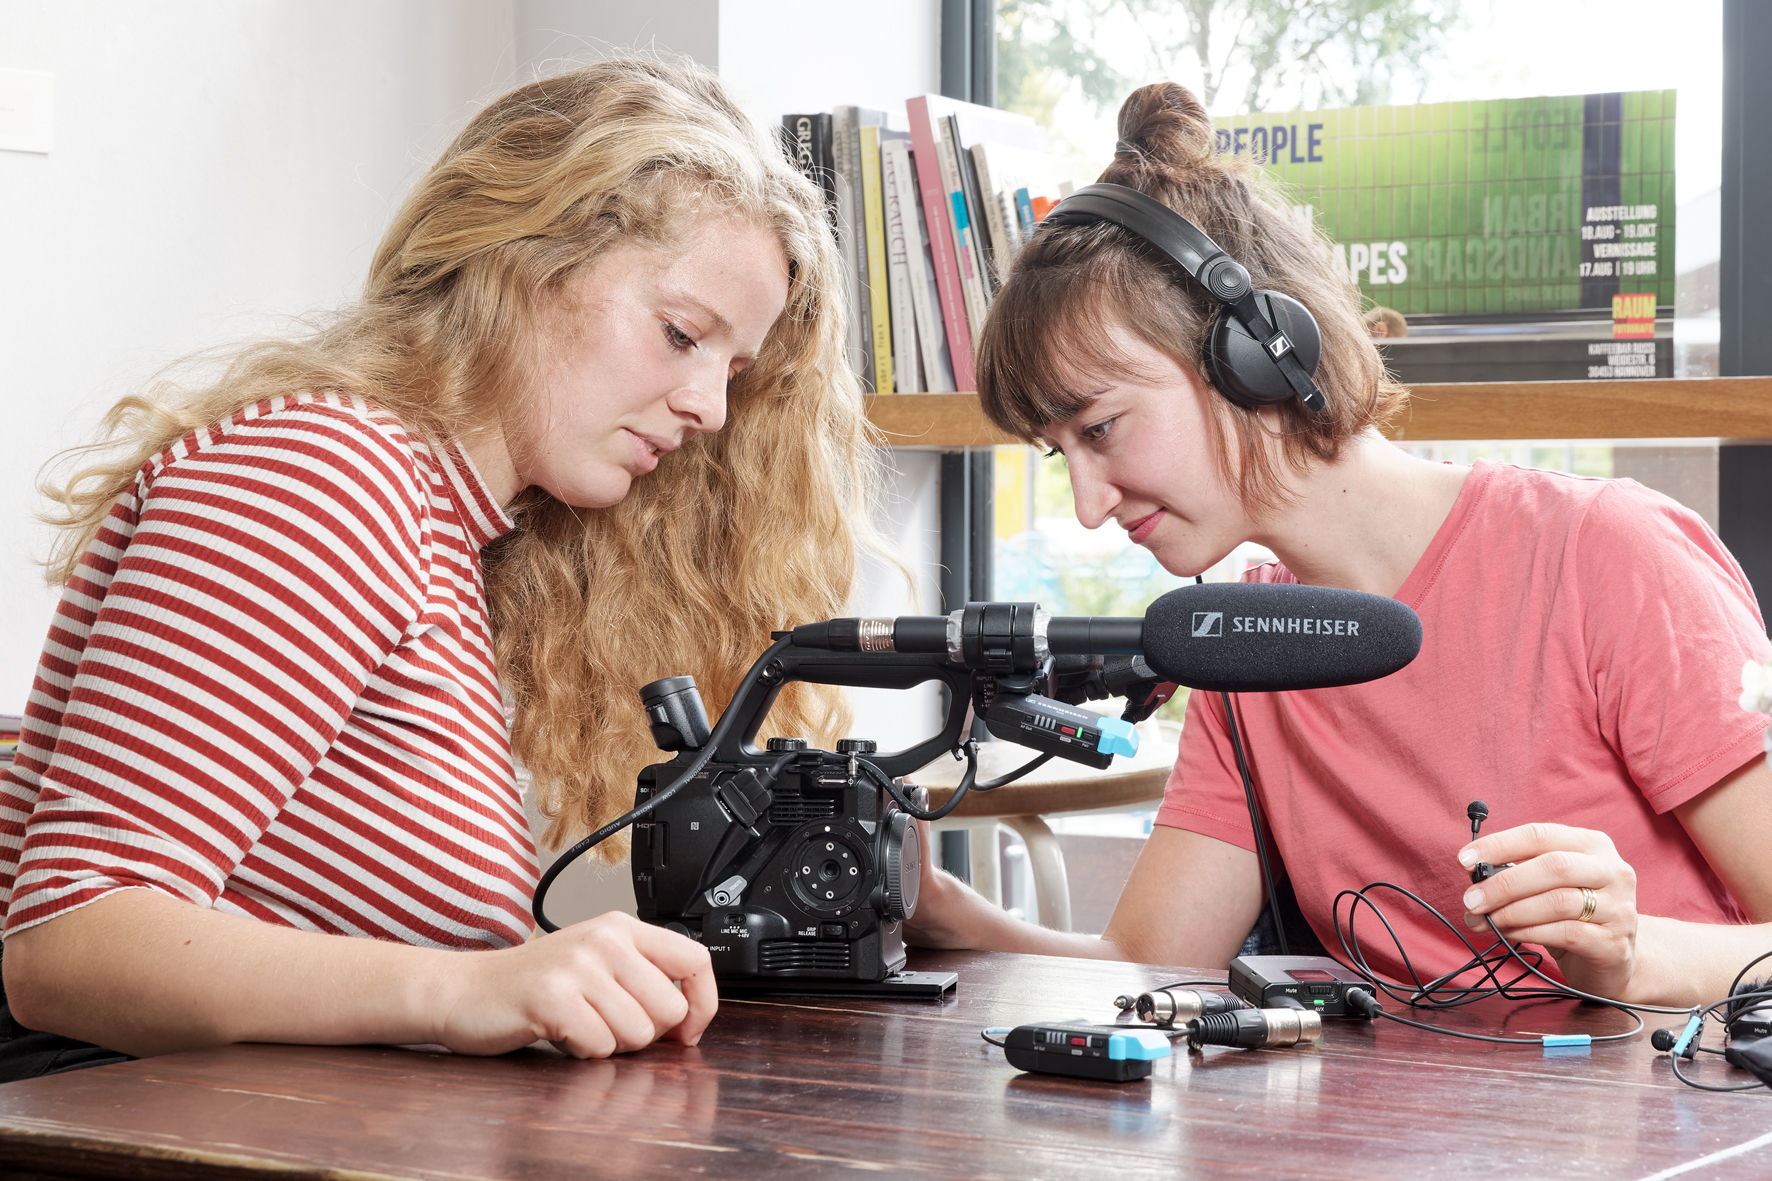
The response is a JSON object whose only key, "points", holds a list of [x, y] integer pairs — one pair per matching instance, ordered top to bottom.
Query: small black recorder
{"points": [[1314, 982], [1749, 1013]]}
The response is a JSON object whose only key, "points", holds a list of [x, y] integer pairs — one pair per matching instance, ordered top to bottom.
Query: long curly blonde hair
{"points": [[738, 533]]}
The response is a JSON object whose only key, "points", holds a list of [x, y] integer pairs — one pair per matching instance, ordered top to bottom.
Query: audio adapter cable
{"points": [[1244, 1028]]}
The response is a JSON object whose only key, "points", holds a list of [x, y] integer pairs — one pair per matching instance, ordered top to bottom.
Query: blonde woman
{"points": [[588, 426], [1582, 638]]}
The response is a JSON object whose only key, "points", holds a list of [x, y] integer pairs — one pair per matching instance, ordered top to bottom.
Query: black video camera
{"points": [[790, 863]]}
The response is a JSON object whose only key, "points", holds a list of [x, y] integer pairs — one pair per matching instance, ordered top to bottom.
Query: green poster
{"points": [[1478, 208]]}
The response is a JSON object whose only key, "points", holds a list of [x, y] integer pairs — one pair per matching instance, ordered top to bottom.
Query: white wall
{"points": [[553, 34], [216, 167], [219, 167]]}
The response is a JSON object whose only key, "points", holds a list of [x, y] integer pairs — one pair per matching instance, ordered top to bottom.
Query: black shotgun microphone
{"points": [[1238, 637], [1255, 637]]}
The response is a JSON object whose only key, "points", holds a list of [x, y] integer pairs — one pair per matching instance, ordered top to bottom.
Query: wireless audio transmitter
{"points": [[1313, 982], [1110, 1053]]}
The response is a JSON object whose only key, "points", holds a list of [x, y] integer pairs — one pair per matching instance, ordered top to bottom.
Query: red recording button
{"points": [[1071, 730], [1079, 1041]]}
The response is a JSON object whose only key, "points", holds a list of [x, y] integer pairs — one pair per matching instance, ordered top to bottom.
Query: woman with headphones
{"points": [[1200, 362], [589, 425]]}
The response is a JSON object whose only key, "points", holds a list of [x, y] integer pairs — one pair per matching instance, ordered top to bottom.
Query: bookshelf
{"points": [[1666, 408]]}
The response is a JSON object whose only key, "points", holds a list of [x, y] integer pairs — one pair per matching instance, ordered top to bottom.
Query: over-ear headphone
{"points": [[1263, 345]]}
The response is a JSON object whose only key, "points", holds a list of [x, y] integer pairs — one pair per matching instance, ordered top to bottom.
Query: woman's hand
{"points": [[1569, 891], [600, 987]]}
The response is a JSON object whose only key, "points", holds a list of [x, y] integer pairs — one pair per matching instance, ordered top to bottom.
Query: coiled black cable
{"points": [[1443, 991]]}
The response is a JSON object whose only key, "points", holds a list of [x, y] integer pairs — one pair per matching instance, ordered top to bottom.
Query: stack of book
{"points": [[927, 222]]}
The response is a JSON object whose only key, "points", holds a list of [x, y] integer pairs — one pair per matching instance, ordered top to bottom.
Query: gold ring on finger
{"points": [[1590, 902]]}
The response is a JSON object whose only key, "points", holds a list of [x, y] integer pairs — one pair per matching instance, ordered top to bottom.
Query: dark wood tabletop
{"points": [[797, 1087]]}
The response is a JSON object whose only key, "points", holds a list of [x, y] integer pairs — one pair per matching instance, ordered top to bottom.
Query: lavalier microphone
{"points": [[1478, 812], [1681, 1042]]}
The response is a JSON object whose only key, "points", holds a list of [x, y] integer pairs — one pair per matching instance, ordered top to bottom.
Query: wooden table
{"points": [[791, 1088]]}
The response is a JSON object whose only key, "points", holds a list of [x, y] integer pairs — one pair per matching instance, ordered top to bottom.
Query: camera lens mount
{"points": [[903, 860], [826, 871]]}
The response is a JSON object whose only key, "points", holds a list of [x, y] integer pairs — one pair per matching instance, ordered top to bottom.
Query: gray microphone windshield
{"points": [[1256, 637]]}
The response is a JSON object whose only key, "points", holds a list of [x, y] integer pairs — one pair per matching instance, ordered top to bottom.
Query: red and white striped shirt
{"points": [[269, 688]]}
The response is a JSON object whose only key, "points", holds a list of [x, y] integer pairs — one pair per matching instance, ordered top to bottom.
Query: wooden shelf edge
{"points": [[1659, 408], [934, 420]]}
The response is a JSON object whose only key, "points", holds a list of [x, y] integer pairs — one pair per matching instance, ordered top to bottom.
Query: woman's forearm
{"points": [[952, 914], [1682, 963], [142, 972]]}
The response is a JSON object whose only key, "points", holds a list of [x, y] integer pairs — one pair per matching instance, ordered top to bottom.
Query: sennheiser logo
{"points": [[1279, 346], [1208, 623], [1289, 625]]}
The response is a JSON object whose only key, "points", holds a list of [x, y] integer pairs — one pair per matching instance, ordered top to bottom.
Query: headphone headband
{"points": [[1145, 216], [1224, 279]]}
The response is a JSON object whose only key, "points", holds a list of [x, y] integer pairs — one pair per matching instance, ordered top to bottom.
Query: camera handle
{"points": [[866, 670]]}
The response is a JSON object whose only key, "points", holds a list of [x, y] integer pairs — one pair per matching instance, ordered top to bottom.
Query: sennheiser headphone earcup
{"points": [[1240, 368]]}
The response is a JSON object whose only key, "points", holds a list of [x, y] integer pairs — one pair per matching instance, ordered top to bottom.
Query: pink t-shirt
{"points": [[1580, 663]]}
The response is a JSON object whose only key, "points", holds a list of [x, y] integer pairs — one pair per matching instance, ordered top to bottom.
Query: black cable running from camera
{"points": [[715, 737], [968, 749], [968, 782], [891, 787], [1255, 824]]}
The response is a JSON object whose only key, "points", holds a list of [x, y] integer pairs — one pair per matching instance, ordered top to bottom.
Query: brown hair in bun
{"points": [[1046, 337]]}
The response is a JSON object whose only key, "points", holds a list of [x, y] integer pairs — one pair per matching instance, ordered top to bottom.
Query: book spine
{"points": [[806, 138], [844, 140], [800, 141], [821, 161], [990, 195], [978, 213], [1024, 213], [959, 217], [939, 223], [1012, 238], [899, 244], [879, 298], [932, 342]]}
